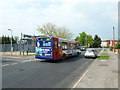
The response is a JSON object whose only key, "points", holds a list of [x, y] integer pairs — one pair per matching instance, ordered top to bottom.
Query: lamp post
{"points": [[113, 39], [11, 40]]}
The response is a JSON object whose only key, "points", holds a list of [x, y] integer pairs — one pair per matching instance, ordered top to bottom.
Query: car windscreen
{"points": [[89, 50]]}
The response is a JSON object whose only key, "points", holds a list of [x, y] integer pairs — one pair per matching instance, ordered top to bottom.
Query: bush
{"points": [[117, 46], [111, 48]]}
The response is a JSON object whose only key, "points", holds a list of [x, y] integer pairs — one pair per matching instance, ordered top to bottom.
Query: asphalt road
{"points": [[31, 73]]}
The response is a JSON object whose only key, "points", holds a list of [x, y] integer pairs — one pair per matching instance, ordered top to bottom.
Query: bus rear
{"points": [[44, 46]]}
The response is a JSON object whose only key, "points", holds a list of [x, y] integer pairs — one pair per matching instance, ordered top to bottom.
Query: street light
{"points": [[113, 39], [11, 40]]}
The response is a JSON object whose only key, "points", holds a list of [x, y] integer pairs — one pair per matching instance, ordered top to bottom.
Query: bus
{"points": [[53, 48]]}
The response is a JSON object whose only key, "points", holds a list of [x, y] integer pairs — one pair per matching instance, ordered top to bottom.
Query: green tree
{"points": [[52, 30], [16, 38], [77, 38], [82, 38], [3, 39], [7, 40], [85, 40], [89, 41], [97, 41], [117, 46]]}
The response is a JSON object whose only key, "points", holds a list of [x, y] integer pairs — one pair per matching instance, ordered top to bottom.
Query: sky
{"points": [[95, 17]]}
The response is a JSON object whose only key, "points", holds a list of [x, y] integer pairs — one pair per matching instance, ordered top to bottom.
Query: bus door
{"points": [[56, 50]]}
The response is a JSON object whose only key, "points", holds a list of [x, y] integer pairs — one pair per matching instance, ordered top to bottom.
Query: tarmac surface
{"points": [[27, 72], [77, 72], [101, 74]]}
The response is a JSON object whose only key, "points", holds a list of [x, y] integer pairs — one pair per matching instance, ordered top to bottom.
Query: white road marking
{"points": [[99, 54], [11, 57], [8, 59], [36, 59], [103, 60], [24, 61], [20, 62], [14, 63], [5, 65], [79, 79]]}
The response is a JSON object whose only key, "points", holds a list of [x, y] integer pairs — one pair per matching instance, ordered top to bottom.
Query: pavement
{"points": [[15, 53], [101, 73]]}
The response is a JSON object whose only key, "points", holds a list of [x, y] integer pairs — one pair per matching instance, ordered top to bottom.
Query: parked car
{"points": [[83, 48], [91, 53]]}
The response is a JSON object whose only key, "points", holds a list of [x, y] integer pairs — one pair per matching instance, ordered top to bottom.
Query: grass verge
{"points": [[104, 54], [30, 55], [103, 57]]}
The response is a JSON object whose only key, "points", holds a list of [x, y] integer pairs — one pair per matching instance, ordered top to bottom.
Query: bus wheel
{"points": [[64, 57]]}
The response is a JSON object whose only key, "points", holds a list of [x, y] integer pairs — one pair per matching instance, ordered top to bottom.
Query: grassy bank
{"points": [[30, 55], [103, 57]]}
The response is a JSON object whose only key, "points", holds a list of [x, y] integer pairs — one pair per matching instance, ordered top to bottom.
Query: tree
{"points": [[52, 30], [16, 38], [77, 38], [82, 38], [3, 39], [7, 40], [85, 40], [89, 41], [97, 41], [117, 46]]}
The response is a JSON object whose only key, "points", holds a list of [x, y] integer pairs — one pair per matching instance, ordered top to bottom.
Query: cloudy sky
{"points": [[95, 17]]}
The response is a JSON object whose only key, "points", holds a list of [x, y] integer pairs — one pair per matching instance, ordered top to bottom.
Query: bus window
{"points": [[56, 44], [59, 45], [64, 46], [68, 46], [71, 46]]}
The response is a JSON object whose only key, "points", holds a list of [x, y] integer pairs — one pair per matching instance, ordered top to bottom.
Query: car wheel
{"points": [[95, 57]]}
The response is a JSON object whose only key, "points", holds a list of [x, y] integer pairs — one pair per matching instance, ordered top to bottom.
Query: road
{"points": [[27, 72]]}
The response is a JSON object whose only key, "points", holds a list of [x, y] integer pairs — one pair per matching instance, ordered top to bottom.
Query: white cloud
{"points": [[77, 15]]}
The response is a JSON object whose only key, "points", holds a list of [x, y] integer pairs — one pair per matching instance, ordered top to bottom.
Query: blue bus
{"points": [[53, 48]]}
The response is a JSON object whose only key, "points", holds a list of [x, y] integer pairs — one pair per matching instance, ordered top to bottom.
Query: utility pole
{"points": [[113, 33], [113, 39], [11, 41], [21, 44]]}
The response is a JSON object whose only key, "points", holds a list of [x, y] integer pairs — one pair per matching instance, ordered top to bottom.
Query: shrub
{"points": [[117, 46], [111, 48]]}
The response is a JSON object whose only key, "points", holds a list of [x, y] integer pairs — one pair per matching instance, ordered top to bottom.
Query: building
{"points": [[109, 43]]}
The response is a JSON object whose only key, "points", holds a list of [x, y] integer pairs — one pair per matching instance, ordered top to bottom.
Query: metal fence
{"points": [[17, 47]]}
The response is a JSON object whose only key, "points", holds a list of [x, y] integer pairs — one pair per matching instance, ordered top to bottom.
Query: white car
{"points": [[91, 53]]}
